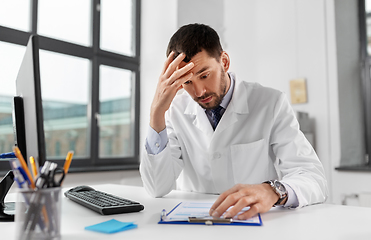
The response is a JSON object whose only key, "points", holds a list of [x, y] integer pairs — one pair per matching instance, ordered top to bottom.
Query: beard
{"points": [[218, 97]]}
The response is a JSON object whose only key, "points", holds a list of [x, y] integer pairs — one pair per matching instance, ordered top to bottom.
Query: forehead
{"points": [[200, 60]]}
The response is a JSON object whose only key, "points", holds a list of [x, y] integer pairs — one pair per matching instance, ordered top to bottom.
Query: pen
{"points": [[18, 154], [67, 162], [33, 166], [16, 167], [24, 175], [18, 176], [163, 214]]}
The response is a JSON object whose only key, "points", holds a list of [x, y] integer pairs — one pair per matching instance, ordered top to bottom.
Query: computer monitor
{"points": [[28, 121]]}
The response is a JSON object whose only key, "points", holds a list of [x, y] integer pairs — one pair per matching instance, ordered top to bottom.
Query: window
{"points": [[118, 13], [16, 14], [52, 21], [89, 67], [65, 107], [115, 116]]}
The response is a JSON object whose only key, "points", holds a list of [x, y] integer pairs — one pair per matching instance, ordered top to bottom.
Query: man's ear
{"points": [[225, 61]]}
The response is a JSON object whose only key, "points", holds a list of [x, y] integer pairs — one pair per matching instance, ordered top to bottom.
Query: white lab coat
{"points": [[257, 139]]}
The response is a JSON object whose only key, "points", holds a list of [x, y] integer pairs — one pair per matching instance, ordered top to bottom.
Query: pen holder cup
{"points": [[38, 214]]}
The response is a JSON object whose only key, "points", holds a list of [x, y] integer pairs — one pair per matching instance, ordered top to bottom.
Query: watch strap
{"points": [[282, 196], [280, 200]]}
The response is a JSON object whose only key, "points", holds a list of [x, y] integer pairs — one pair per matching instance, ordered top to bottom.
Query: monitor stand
{"points": [[6, 209]]}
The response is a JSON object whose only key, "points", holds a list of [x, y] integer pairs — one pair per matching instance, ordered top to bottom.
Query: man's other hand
{"points": [[259, 197]]}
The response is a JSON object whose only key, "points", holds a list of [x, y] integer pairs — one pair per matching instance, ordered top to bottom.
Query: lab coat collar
{"points": [[238, 102], [200, 119]]}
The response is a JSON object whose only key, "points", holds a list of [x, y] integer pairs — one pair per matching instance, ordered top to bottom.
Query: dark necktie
{"points": [[216, 115]]}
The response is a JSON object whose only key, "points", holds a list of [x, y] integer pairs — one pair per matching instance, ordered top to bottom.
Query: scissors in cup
{"points": [[50, 176]]}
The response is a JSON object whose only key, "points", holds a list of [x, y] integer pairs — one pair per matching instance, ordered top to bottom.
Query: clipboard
{"points": [[198, 213]]}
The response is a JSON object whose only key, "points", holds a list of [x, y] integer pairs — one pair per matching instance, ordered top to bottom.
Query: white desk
{"points": [[322, 221]]}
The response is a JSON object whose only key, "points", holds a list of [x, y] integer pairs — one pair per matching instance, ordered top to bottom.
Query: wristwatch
{"points": [[278, 188]]}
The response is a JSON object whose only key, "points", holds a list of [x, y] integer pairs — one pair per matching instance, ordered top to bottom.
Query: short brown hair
{"points": [[192, 39]]}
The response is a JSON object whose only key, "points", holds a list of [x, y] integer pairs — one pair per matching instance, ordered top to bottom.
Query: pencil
{"points": [[18, 154], [67, 163], [33, 166]]}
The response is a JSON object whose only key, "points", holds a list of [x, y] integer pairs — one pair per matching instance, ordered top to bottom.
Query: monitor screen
{"points": [[29, 128]]}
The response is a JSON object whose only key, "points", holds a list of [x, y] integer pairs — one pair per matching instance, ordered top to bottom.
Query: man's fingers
{"points": [[167, 62], [173, 65], [172, 72], [181, 74], [178, 82], [258, 197], [221, 198], [229, 201], [217, 203], [241, 204], [254, 209]]}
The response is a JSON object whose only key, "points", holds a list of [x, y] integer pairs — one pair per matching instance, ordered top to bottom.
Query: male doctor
{"points": [[225, 136]]}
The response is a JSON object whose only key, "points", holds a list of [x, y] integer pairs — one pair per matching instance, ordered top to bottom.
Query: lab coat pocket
{"points": [[249, 162]]}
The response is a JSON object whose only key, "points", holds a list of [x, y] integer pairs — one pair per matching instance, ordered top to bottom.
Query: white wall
{"points": [[210, 12], [333, 99]]}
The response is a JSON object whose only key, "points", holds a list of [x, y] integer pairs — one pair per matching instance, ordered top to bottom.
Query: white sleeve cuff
{"points": [[156, 142], [292, 199]]}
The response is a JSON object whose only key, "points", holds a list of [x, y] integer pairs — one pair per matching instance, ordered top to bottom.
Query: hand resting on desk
{"points": [[259, 197]]}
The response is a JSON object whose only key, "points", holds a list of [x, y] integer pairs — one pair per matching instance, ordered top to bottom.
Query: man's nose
{"points": [[199, 89]]}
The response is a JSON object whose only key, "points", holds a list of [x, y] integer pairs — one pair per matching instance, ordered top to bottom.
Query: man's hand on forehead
{"points": [[186, 59], [182, 63], [170, 82]]}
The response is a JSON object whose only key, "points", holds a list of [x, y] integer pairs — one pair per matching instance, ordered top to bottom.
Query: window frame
{"points": [[97, 57]]}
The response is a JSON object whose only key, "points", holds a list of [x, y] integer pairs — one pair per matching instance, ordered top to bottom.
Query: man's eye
{"points": [[204, 76], [186, 83]]}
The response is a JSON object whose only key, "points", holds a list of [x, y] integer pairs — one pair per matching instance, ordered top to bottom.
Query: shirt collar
{"points": [[227, 98]]}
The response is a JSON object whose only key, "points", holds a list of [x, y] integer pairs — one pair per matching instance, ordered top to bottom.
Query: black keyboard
{"points": [[102, 202]]}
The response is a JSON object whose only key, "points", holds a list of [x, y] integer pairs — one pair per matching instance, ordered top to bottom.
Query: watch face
{"points": [[280, 186]]}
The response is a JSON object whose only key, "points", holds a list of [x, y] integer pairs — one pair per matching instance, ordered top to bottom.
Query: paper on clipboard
{"points": [[184, 210]]}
